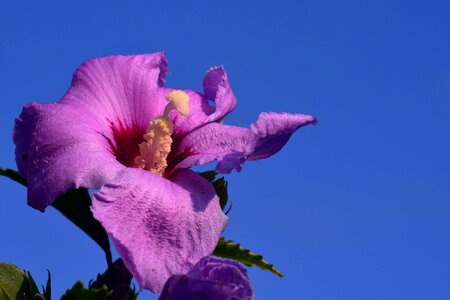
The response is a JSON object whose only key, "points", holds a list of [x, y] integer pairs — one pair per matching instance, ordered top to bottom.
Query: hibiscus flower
{"points": [[119, 130]]}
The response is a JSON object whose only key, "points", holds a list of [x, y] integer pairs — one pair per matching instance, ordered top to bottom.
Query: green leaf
{"points": [[209, 175], [221, 187], [75, 205], [228, 249], [118, 279], [13, 283], [18, 284], [32, 287], [47, 291], [80, 292], [132, 294], [4, 295]]}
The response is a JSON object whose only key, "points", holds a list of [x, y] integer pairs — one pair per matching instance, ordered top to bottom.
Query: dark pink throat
{"points": [[126, 142]]}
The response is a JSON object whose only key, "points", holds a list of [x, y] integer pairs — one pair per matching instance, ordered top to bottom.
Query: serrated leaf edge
{"points": [[257, 259]]}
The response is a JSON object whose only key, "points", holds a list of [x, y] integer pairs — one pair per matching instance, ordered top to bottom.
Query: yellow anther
{"points": [[178, 100], [156, 146]]}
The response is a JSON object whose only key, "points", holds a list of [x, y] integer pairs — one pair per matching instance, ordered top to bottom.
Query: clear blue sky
{"points": [[356, 207]]}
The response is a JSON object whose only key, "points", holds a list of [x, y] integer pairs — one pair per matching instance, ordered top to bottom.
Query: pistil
{"points": [[153, 152]]}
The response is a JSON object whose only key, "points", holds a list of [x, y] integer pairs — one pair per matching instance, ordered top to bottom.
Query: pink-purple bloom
{"points": [[118, 129], [211, 278]]}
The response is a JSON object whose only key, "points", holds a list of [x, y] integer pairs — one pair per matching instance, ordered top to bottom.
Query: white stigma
{"points": [[178, 100]]}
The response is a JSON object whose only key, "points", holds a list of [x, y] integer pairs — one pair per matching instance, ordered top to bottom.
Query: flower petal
{"points": [[120, 88], [217, 88], [201, 111], [273, 131], [232, 146], [61, 147], [159, 227], [211, 278]]}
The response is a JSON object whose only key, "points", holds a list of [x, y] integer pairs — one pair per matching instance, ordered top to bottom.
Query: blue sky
{"points": [[356, 207]]}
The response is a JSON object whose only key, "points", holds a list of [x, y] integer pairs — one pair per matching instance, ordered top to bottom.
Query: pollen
{"points": [[178, 100], [155, 148]]}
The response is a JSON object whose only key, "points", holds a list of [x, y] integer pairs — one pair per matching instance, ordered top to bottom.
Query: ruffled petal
{"points": [[217, 88], [120, 89], [216, 102], [273, 130], [232, 146], [61, 147], [159, 227], [211, 278]]}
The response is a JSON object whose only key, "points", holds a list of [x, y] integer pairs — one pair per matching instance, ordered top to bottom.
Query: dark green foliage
{"points": [[209, 175], [221, 187], [228, 249], [118, 279], [16, 284], [47, 291], [80, 292], [132, 294]]}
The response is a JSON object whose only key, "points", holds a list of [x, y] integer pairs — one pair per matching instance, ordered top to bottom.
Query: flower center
{"points": [[155, 148]]}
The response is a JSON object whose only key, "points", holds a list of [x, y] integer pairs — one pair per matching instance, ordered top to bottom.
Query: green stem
{"points": [[14, 175]]}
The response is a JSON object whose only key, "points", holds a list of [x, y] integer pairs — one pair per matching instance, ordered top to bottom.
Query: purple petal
{"points": [[120, 88], [217, 88], [201, 111], [273, 131], [232, 146], [60, 147], [159, 227], [211, 278]]}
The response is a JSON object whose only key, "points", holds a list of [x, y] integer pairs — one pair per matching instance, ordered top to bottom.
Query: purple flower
{"points": [[118, 129], [211, 278]]}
